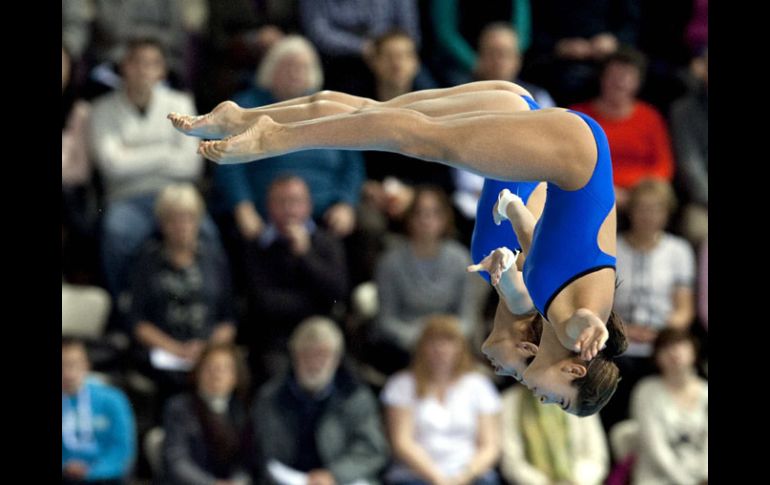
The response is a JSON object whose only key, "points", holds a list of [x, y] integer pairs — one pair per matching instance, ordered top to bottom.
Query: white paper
{"points": [[161, 359], [285, 475]]}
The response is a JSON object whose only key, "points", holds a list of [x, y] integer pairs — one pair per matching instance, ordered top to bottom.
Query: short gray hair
{"points": [[289, 45], [317, 330]]}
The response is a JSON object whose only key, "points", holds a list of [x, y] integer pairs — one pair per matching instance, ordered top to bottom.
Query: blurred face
{"points": [[499, 56], [396, 62], [65, 69], [143, 69], [291, 76], [620, 81], [289, 203], [648, 213], [428, 220], [180, 227], [506, 350], [442, 354], [676, 357], [315, 365], [74, 368], [218, 375], [551, 382]]}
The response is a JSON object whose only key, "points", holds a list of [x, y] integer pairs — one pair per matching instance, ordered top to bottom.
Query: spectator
{"points": [[458, 25], [343, 31], [569, 43], [689, 129], [639, 141], [138, 152], [334, 177], [79, 196], [295, 270], [656, 274], [423, 276], [703, 284], [180, 293], [672, 411], [442, 416], [318, 419], [206, 430], [97, 433], [543, 445]]}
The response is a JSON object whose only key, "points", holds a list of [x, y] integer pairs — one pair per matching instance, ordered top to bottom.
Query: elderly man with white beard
{"points": [[317, 418]]}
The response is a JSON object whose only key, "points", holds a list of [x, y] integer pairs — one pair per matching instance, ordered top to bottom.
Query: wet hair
{"points": [[600, 382]]}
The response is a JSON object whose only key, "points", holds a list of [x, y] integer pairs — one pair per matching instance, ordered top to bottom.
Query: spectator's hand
{"points": [[603, 45], [574, 48], [341, 219], [249, 222], [299, 239], [640, 333], [193, 349], [77, 470], [320, 477]]}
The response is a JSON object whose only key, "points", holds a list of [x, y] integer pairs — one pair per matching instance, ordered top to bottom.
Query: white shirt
{"points": [[647, 283], [446, 430], [673, 441]]}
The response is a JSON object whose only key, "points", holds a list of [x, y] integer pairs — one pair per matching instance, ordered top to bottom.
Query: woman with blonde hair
{"points": [[180, 292], [442, 415]]}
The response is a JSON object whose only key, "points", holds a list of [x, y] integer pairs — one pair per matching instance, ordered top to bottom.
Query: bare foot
{"points": [[224, 120], [244, 147]]}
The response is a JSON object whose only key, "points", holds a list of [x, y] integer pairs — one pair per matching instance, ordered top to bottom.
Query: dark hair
{"points": [[494, 26], [396, 33], [139, 42], [629, 56], [444, 203], [670, 336], [69, 341], [602, 374], [242, 377], [224, 438]]}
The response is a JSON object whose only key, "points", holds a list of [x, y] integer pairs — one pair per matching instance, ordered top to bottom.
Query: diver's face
{"points": [[506, 348], [552, 382]]}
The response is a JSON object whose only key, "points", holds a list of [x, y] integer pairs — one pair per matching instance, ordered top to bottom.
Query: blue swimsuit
{"points": [[486, 235], [564, 244]]}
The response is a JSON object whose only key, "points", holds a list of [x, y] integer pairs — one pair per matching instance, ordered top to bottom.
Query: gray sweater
{"points": [[411, 288]]}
